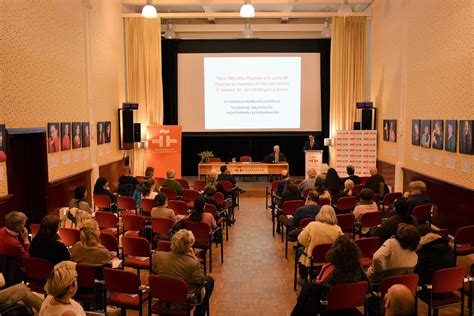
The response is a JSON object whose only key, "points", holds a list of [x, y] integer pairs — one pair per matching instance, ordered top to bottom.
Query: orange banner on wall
{"points": [[164, 149]]}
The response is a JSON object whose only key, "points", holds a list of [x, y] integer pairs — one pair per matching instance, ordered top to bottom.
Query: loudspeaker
{"points": [[368, 119], [356, 126], [125, 129], [137, 132]]}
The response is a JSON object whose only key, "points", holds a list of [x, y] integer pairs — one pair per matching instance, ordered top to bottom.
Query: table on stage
{"points": [[242, 168]]}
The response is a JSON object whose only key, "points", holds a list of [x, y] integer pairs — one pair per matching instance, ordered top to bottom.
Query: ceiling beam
{"points": [[236, 2], [233, 15], [226, 28]]}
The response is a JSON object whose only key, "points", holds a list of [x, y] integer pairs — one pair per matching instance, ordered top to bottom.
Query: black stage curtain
{"points": [[229, 145]]}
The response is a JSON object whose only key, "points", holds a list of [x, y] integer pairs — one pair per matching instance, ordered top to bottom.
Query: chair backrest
{"points": [[215, 159], [245, 159], [363, 180], [159, 181], [298, 181], [184, 183], [199, 185], [227, 185], [275, 185], [357, 189], [306, 192], [171, 193], [190, 195], [219, 197], [376, 198], [389, 198], [102, 201], [324, 201], [126, 203], [346, 203], [147, 205], [179, 207], [290, 207], [210, 208], [422, 213], [106, 219], [371, 219], [305, 221], [345, 221], [133, 222], [161, 225], [34, 229], [201, 231], [464, 235], [69, 236], [109, 241], [164, 245], [135, 246], [368, 246], [318, 254], [36, 269], [85, 276], [409, 280], [448, 280], [121, 281], [168, 289], [347, 295]]}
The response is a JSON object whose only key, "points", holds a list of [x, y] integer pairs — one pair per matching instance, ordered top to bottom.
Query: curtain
{"points": [[348, 64], [144, 84]]}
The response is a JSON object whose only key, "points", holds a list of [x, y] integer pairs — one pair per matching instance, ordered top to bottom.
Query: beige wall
{"points": [[62, 61], [423, 68]]}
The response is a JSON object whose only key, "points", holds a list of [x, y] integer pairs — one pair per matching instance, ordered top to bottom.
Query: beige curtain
{"points": [[348, 64], [144, 85]]}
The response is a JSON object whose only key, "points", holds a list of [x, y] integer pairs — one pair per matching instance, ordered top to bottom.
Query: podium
{"points": [[312, 159]]}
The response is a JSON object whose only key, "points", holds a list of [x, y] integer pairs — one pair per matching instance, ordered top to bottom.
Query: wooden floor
{"points": [[255, 278]]}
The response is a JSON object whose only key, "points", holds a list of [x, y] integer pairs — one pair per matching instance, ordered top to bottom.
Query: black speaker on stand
{"points": [[368, 119], [125, 125], [137, 132]]}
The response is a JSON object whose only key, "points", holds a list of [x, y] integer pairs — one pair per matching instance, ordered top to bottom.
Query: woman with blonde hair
{"points": [[322, 231], [89, 250], [61, 286]]}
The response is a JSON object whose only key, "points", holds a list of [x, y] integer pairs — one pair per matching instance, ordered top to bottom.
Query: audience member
{"points": [[276, 156], [323, 170], [351, 172], [149, 173], [225, 175], [284, 177], [212, 180], [308, 182], [376, 182], [127, 183], [171, 183], [334, 184], [101, 187], [320, 187], [144, 190], [291, 192], [416, 195], [79, 200], [366, 204], [161, 209], [309, 210], [198, 215], [402, 215], [323, 230], [14, 236], [46, 244], [89, 250], [397, 255], [183, 264], [61, 287], [19, 294], [399, 301]]}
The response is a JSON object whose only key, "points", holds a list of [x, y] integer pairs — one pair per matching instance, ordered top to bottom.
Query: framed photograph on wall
{"points": [[385, 130], [108, 131], [392, 131], [415, 132], [100, 133], [425, 133], [437, 134], [76, 135], [450, 135], [65, 136], [86, 136], [465, 137], [53, 138], [3, 141]]}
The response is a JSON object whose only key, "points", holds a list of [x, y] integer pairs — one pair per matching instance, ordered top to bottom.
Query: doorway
{"points": [[27, 171]]}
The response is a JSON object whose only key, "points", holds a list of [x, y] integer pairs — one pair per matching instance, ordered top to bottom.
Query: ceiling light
{"points": [[344, 9], [247, 10], [149, 11], [326, 31], [247, 32], [169, 33]]}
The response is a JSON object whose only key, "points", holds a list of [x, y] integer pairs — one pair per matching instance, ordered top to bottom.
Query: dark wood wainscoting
{"points": [[388, 171], [112, 172], [61, 191], [455, 204], [6, 206]]}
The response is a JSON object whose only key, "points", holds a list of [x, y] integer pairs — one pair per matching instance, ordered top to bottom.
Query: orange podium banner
{"points": [[164, 149]]}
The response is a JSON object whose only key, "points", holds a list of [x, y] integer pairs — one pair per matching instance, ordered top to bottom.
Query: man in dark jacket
{"points": [[376, 182], [416, 196], [390, 226]]}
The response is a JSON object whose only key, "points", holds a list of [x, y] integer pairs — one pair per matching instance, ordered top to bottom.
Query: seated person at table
{"points": [[276, 156], [351, 172], [308, 182], [376, 182], [127, 183], [171, 183], [334, 185], [101, 187], [416, 195], [79, 200], [366, 204], [161, 209], [309, 210], [198, 215], [389, 227], [14, 236], [46, 244], [89, 250], [396, 255], [182, 263], [19, 294]]}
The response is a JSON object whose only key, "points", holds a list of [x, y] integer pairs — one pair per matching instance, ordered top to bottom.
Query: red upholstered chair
{"points": [[215, 159], [245, 159], [363, 180], [159, 181], [184, 183], [199, 185], [229, 188], [357, 189], [306, 192], [271, 193], [171, 194], [189, 196], [377, 198], [389, 198], [323, 201], [102, 202], [126, 203], [346, 204], [147, 206], [179, 207], [289, 209], [422, 213], [221, 218], [367, 220], [305, 221], [108, 222], [346, 222], [133, 225], [160, 228], [34, 230], [203, 235], [69, 236], [110, 242], [463, 242], [164, 245], [368, 246], [136, 253], [318, 258], [36, 272], [409, 280], [446, 281], [86, 287], [124, 290], [343, 299]]}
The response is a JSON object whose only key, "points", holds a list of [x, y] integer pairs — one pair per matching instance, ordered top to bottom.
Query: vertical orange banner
{"points": [[164, 149]]}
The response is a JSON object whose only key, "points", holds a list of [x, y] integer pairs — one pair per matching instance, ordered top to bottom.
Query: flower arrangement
{"points": [[206, 155]]}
